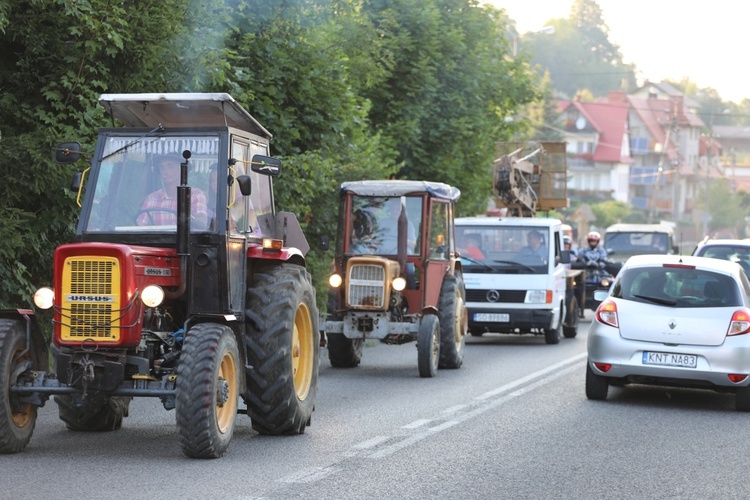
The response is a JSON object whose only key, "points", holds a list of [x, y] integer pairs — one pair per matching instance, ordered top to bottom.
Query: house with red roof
{"points": [[598, 147], [643, 149]]}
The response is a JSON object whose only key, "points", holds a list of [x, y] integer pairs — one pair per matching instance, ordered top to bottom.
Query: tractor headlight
{"points": [[335, 281], [398, 283], [152, 295], [44, 298]]}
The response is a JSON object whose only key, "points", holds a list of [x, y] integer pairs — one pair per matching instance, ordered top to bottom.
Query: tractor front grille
{"points": [[366, 286], [91, 303]]}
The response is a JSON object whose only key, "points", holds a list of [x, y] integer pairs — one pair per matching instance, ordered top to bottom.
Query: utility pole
{"points": [[660, 168]]}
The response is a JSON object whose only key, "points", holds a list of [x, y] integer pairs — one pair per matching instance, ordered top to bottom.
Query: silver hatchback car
{"points": [[673, 321]]}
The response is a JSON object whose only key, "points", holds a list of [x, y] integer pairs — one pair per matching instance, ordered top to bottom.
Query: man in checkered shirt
{"points": [[160, 207]]}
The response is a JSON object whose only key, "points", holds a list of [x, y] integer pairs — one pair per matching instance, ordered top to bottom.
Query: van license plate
{"points": [[491, 317], [670, 359]]}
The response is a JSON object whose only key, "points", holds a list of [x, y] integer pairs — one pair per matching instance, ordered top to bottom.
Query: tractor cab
{"points": [[395, 271]]}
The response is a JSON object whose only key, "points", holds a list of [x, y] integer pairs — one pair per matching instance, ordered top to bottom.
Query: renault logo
{"points": [[493, 296], [672, 324]]}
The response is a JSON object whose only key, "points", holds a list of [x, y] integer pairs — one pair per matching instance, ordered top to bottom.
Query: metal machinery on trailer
{"points": [[515, 267], [397, 276], [183, 283]]}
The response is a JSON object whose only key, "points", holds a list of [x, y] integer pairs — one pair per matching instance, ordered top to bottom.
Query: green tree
{"points": [[579, 55], [450, 85], [611, 212]]}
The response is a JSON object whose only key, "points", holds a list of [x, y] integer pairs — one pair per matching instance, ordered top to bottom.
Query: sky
{"points": [[707, 42]]}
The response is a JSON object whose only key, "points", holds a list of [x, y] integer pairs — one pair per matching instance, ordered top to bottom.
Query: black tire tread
{"points": [[271, 306], [344, 352], [451, 352], [195, 399], [104, 415], [13, 438]]}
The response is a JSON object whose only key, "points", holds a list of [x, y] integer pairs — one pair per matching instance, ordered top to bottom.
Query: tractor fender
{"points": [[33, 334]]}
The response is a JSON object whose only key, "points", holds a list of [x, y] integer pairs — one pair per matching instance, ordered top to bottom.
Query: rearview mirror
{"points": [[67, 152], [266, 165]]}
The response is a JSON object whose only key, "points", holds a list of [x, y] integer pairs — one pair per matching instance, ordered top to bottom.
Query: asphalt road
{"points": [[513, 422]]}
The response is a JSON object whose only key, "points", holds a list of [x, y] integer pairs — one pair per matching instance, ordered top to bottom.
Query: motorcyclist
{"points": [[593, 255]]}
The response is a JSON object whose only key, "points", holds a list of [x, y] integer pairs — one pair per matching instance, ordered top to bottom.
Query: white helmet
{"points": [[593, 238]]}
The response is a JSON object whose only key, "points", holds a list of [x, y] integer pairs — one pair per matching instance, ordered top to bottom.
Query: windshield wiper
{"points": [[126, 146], [474, 261], [658, 300]]}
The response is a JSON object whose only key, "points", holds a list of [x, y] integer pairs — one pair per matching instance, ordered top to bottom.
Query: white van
{"points": [[516, 276]]}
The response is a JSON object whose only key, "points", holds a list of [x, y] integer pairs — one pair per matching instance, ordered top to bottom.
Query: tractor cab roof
{"points": [[181, 110], [401, 188]]}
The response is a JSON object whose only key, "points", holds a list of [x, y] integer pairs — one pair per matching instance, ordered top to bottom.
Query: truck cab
{"points": [[515, 276]]}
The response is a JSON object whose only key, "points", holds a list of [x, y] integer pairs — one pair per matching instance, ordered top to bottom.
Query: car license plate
{"points": [[491, 317], [670, 359]]}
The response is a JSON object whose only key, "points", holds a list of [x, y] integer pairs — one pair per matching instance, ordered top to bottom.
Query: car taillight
{"points": [[607, 313], [740, 323], [603, 367]]}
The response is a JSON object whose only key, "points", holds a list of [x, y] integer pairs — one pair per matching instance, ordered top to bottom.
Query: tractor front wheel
{"points": [[453, 323], [282, 341], [428, 346], [207, 391], [17, 419]]}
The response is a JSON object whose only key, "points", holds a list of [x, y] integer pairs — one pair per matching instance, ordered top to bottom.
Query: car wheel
{"points": [[596, 385]]}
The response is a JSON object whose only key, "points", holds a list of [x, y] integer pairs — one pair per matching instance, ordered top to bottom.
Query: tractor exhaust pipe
{"points": [[183, 227]]}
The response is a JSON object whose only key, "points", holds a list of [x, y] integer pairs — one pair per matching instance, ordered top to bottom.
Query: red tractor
{"points": [[397, 275], [183, 284]]}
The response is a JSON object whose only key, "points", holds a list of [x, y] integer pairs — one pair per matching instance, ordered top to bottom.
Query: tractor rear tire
{"points": [[453, 323], [282, 342], [428, 346], [344, 352], [208, 390], [92, 414], [17, 420]]}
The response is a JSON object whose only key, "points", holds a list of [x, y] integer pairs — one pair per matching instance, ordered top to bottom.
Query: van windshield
{"points": [[635, 243], [504, 250]]}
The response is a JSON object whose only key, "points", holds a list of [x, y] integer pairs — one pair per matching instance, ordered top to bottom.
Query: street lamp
{"points": [[547, 30]]}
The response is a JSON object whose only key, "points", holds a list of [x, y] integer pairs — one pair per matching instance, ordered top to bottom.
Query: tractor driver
{"points": [[160, 207]]}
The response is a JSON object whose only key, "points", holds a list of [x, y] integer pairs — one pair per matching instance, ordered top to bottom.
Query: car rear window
{"points": [[677, 286]]}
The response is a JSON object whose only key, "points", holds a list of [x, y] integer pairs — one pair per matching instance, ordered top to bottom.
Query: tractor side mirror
{"points": [[68, 152], [266, 165], [75, 183], [245, 183], [325, 243]]}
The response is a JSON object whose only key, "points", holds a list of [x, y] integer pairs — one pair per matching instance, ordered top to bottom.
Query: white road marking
{"points": [[482, 404], [416, 423], [312, 475]]}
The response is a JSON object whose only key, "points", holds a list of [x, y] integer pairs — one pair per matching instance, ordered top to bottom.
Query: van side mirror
{"points": [[564, 256]]}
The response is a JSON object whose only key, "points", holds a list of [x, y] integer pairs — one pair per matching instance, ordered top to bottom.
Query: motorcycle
{"points": [[597, 277]]}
